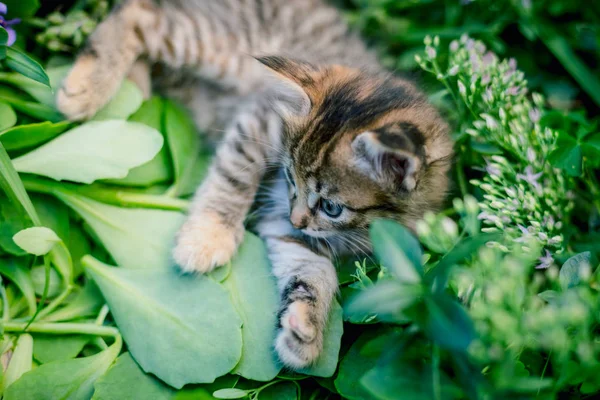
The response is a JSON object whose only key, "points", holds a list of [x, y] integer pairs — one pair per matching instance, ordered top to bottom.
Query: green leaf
{"points": [[21, 8], [3, 41], [25, 65], [42, 93], [127, 101], [35, 110], [8, 118], [26, 136], [184, 145], [92, 151], [567, 155], [158, 169], [13, 187], [53, 213], [12, 220], [136, 238], [37, 240], [397, 249], [570, 272], [18, 273], [38, 278], [253, 291], [386, 299], [86, 303], [447, 323], [183, 329], [49, 348], [20, 362], [326, 364], [352, 368], [399, 378], [70, 379], [125, 380], [280, 391], [204, 392], [232, 393]]}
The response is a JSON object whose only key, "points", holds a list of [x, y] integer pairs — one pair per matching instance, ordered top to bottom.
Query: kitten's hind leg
{"points": [[108, 57], [307, 284]]}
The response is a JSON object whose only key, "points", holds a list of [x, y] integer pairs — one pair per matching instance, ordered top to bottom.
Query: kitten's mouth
{"points": [[317, 234]]}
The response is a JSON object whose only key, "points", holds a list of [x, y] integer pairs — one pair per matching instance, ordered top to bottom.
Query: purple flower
{"points": [[7, 23], [530, 177], [545, 261]]}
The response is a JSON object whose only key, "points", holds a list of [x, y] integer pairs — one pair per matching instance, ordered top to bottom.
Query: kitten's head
{"points": [[359, 146]]}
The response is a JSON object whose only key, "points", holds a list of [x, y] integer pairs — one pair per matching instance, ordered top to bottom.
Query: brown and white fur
{"points": [[349, 138]]}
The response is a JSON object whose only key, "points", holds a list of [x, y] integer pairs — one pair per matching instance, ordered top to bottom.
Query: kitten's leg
{"points": [[110, 53], [215, 225], [307, 284]]}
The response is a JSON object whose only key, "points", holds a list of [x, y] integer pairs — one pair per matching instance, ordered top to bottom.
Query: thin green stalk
{"points": [[462, 179], [104, 194], [44, 294], [55, 303], [5, 305], [102, 315], [66, 328], [435, 373]]}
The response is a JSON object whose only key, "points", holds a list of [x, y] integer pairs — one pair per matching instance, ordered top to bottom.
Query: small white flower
{"points": [[454, 45], [431, 53], [453, 71], [462, 89], [535, 115], [531, 156], [545, 261]]}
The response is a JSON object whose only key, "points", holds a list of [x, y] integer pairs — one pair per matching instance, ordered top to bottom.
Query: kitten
{"points": [[352, 142]]}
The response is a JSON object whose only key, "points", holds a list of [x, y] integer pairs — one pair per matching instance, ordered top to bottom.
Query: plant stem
{"points": [[462, 180], [105, 194], [55, 303], [102, 315], [62, 328], [435, 372]]}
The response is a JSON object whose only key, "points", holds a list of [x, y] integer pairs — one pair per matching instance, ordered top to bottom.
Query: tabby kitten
{"points": [[353, 142]]}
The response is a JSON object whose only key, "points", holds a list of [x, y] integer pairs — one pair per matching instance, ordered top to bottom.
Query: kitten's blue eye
{"points": [[288, 176], [330, 208]]}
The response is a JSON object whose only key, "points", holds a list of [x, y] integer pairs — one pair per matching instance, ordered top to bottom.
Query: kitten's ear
{"points": [[297, 80], [393, 155]]}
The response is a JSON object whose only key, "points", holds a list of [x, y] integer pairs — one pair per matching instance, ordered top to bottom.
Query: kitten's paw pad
{"points": [[85, 90], [204, 243], [300, 341]]}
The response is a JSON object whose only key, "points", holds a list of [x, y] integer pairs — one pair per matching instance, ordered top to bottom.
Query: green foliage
{"points": [[458, 311]]}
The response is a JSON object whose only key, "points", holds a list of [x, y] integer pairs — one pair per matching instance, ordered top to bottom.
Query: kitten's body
{"points": [[356, 144]]}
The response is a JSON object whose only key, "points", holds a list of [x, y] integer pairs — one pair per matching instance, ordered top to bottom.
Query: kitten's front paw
{"points": [[87, 88], [205, 242], [299, 341]]}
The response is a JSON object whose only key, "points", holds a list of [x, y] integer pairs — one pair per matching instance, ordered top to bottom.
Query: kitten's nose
{"points": [[299, 219]]}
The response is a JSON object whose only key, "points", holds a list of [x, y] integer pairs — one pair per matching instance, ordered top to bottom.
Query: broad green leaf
{"points": [[21, 8], [3, 41], [25, 65], [40, 92], [127, 100], [35, 110], [8, 118], [26, 136], [184, 145], [92, 151], [567, 155], [158, 169], [13, 186], [53, 213], [12, 220], [136, 238], [37, 240], [398, 250], [570, 272], [19, 274], [253, 291], [386, 299], [87, 303], [447, 323], [183, 329], [49, 348], [20, 362], [327, 363], [353, 366], [69, 379], [399, 379], [125, 380], [280, 391], [204, 392], [232, 393]]}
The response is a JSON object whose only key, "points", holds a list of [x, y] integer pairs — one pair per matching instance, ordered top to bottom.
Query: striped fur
{"points": [[321, 142]]}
